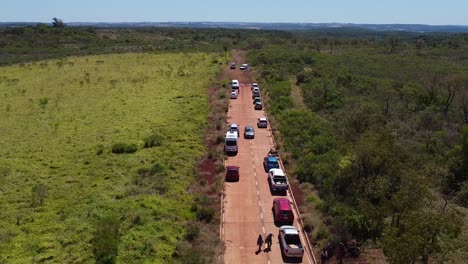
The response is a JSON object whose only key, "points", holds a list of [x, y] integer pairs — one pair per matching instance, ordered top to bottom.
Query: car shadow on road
{"points": [[291, 260]]}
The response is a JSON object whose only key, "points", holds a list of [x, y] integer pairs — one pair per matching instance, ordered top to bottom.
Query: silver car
{"points": [[249, 131], [290, 242]]}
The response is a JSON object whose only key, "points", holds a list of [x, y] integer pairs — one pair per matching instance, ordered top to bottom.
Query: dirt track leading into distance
{"points": [[247, 203]]}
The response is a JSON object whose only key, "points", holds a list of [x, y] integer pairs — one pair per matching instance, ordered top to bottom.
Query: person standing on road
{"points": [[269, 241], [259, 242]]}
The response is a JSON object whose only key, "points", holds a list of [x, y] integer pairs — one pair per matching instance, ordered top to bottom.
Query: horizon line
{"points": [[239, 22]]}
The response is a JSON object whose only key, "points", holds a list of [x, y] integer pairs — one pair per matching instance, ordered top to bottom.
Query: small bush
{"points": [[219, 139], [154, 140], [119, 148], [99, 149], [38, 194], [205, 214], [193, 231], [322, 233], [106, 239], [186, 254]]}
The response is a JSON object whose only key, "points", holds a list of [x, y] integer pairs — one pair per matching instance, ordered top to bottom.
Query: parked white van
{"points": [[235, 84], [230, 143]]}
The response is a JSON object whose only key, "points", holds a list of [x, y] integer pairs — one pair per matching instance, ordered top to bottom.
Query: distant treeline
{"points": [[43, 41]]}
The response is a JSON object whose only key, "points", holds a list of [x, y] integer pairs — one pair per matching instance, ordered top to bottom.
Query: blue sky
{"points": [[435, 12]]}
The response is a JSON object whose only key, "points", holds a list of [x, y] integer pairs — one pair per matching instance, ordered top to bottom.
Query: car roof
{"points": [[230, 134], [272, 159], [278, 172], [283, 203], [290, 230]]}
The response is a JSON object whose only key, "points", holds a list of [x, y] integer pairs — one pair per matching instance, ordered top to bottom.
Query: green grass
{"points": [[59, 121]]}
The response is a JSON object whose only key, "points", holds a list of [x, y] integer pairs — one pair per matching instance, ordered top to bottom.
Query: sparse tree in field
{"points": [[57, 23], [39, 193], [106, 239]]}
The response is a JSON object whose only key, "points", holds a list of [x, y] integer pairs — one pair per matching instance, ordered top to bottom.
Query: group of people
{"points": [[273, 152], [268, 241], [349, 248]]}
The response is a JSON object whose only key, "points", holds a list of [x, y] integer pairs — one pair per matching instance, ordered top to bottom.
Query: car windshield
{"points": [[231, 143], [272, 163], [232, 172], [279, 179], [285, 213], [292, 239]]}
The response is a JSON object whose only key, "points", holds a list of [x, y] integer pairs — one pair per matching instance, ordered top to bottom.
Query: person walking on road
{"points": [[269, 241], [259, 243]]}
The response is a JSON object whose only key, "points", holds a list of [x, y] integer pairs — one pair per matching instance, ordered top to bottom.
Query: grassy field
{"points": [[60, 120]]}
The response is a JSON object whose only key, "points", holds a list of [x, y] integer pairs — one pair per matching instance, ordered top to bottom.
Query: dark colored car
{"points": [[232, 65], [255, 93], [256, 99], [258, 106], [249, 131], [270, 162], [232, 173], [282, 211]]}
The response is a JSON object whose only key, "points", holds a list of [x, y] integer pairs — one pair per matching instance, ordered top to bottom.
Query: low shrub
{"points": [[153, 140], [120, 148], [99, 149], [205, 214], [193, 231], [106, 239]]}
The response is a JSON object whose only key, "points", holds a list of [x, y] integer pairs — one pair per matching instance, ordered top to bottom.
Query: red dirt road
{"points": [[247, 203]]}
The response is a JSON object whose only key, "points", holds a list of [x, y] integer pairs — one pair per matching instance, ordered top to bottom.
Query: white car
{"points": [[244, 66], [235, 84], [254, 85], [233, 95], [262, 122], [234, 128], [290, 242]]}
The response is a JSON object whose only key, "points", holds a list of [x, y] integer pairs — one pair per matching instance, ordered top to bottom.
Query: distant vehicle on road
{"points": [[232, 65], [244, 66], [235, 84], [253, 85], [255, 92], [233, 94], [257, 99], [258, 106], [262, 122], [235, 129], [249, 131], [230, 143], [270, 162], [232, 173], [277, 180], [282, 211], [290, 242]]}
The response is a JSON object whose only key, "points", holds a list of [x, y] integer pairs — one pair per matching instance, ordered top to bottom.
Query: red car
{"points": [[232, 173], [282, 211]]}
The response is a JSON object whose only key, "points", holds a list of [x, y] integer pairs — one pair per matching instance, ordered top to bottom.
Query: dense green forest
{"points": [[380, 131], [382, 136]]}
